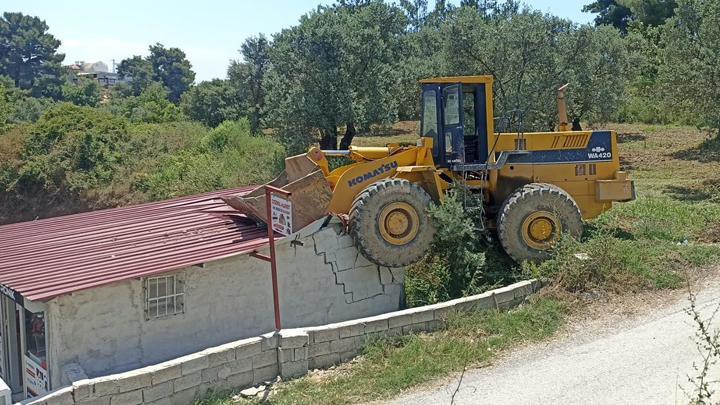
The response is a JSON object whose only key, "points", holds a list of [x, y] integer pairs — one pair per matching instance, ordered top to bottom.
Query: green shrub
{"points": [[151, 106], [72, 148], [227, 156], [460, 262]]}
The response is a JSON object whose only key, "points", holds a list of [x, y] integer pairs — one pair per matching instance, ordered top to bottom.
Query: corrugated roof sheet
{"points": [[50, 257]]}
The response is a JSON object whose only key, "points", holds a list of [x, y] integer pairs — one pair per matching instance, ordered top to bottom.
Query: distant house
{"points": [[97, 71], [104, 78]]}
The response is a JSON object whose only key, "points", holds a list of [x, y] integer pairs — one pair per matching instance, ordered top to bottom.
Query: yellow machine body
{"points": [[585, 164]]}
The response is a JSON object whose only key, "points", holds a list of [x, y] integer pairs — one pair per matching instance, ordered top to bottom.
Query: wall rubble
{"points": [[289, 353]]}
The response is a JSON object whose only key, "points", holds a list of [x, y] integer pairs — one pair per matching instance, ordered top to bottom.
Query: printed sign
{"points": [[281, 210], [36, 378]]}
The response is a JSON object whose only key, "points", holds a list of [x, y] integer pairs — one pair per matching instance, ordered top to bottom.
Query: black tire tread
{"points": [[527, 195], [371, 244]]}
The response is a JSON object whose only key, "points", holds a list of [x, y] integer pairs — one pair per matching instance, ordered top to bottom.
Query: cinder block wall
{"points": [[322, 279], [289, 354]]}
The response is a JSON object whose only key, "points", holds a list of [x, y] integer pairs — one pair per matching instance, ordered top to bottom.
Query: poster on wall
{"points": [[281, 214], [36, 378]]}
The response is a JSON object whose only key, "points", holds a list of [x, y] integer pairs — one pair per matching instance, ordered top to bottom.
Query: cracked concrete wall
{"points": [[322, 279]]}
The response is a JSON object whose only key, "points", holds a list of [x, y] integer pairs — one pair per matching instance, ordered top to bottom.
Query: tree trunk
{"points": [[348, 137], [328, 141]]}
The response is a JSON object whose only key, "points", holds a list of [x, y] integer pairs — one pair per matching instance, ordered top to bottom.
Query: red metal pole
{"points": [[269, 190]]}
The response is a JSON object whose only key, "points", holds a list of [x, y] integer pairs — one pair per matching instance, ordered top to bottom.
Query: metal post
{"points": [[269, 190]]}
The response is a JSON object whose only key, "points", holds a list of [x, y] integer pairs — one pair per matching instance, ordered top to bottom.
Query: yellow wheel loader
{"points": [[533, 186]]}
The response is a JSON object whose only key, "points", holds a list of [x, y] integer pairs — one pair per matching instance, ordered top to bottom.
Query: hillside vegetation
{"points": [[345, 70]]}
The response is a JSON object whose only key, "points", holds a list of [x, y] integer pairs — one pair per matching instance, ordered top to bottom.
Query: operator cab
{"points": [[457, 115]]}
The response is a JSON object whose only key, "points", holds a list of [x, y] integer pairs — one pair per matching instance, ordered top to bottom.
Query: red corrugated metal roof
{"points": [[55, 256]]}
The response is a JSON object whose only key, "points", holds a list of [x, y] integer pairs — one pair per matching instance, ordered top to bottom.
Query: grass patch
{"points": [[390, 366]]}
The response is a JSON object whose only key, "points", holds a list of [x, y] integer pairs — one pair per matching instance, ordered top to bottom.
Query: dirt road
{"points": [[645, 359]]}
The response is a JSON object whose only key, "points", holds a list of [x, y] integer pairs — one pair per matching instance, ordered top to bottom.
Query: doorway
{"points": [[11, 367]]}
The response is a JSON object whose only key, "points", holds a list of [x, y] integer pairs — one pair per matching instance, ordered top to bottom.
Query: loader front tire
{"points": [[533, 218], [389, 222]]}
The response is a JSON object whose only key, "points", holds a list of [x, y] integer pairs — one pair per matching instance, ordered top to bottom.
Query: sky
{"points": [[210, 32]]}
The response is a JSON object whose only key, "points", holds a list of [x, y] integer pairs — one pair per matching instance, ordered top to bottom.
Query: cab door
{"points": [[452, 125]]}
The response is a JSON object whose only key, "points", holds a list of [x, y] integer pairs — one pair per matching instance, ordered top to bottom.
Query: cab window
{"points": [[451, 98]]}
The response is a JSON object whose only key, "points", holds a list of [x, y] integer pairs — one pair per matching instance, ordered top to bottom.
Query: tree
{"points": [[416, 12], [610, 12], [620, 13], [28, 54], [256, 54], [530, 55], [338, 67], [171, 68], [138, 71], [690, 73], [86, 92], [212, 103], [152, 105]]}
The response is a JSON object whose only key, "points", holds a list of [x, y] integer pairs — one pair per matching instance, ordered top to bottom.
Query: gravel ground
{"points": [[639, 351]]}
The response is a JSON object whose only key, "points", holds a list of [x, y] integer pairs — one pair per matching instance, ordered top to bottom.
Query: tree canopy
{"points": [[28, 54]]}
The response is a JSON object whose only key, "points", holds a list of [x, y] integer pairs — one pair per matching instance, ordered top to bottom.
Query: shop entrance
{"points": [[11, 367]]}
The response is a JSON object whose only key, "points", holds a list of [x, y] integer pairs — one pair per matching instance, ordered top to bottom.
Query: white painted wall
{"points": [[325, 280]]}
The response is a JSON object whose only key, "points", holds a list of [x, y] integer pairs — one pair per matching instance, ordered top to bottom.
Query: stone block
{"points": [[326, 241], [346, 241], [345, 258], [398, 275], [386, 276], [444, 312], [423, 316], [400, 320], [435, 325], [376, 326], [415, 328], [355, 329], [394, 332], [324, 335], [293, 338], [269, 341], [342, 345], [318, 349], [248, 350], [300, 353], [221, 355], [285, 355], [348, 355], [264, 359], [324, 361], [194, 363], [238, 366], [293, 369], [73, 372], [166, 372], [265, 373], [210, 375], [134, 380], [240, 380], [187, 381], [105, 386], [82, 389], [157, 392], [63, 396], [187, 396], [127, 398], [95, 401], [161, 401]]}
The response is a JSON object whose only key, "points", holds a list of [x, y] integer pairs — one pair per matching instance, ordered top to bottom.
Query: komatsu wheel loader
{"points": [[533, 186]]}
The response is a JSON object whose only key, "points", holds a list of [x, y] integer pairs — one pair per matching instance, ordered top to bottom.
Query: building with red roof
{"points": [[112, 290]]}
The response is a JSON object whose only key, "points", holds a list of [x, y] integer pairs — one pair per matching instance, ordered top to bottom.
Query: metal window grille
{"points": [[164, 296]]}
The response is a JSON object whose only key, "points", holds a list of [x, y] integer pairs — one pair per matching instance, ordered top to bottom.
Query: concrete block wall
{"points": [[289, 353]]}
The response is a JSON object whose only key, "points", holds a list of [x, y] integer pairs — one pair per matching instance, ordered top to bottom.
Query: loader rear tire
{"points": [[532, 219], [389, 222]]}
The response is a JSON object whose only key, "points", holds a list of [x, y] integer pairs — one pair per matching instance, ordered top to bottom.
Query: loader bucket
{"points": [[311, 193]]}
